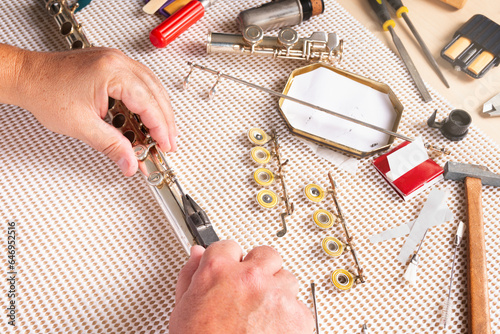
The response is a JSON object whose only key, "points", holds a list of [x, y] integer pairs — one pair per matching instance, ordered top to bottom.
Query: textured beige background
{"points": [[96, 254]]}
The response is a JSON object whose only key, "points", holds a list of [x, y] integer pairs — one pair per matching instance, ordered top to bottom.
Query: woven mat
{"points": [[95, 253]]}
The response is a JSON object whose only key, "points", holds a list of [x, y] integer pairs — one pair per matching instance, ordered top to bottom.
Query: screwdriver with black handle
{"points": [[402, 12], [388, 24]]}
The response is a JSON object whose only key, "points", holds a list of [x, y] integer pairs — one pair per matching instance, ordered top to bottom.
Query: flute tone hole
{"points": [[55, 8], [66, 28], [77, 45], [118, 121], [130, 135]]}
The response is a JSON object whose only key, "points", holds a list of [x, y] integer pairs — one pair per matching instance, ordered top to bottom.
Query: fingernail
{"points": [[123, 164]]}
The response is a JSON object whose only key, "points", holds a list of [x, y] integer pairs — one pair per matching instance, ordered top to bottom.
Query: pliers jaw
{"points": [[492, 107], [198, 222]]}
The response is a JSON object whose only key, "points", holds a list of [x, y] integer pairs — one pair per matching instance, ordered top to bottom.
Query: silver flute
{"points": [[319, 47], [188, 221]]}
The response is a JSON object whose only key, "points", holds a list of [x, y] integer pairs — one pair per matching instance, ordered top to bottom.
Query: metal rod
{"points": [[426, 50], [410, 66], [307, 104], [281, 176], [348, 237], [313, 291]]}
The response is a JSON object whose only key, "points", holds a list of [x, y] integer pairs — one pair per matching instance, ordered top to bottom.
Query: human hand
{"points": [[68, 93], [220, 292]]}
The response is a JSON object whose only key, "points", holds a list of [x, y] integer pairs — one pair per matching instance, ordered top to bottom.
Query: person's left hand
{"points": [[68, 93]]}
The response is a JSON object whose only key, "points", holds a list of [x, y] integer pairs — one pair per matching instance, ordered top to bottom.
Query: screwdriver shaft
{"points": [[426, 50], [410, 66]]}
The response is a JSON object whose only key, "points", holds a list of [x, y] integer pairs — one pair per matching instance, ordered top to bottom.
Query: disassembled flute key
{"points": [[258, 136], [260, 155], [263, 177], [314, 192], [267, 199], [323, 218], [333, 246], [342, 279]]}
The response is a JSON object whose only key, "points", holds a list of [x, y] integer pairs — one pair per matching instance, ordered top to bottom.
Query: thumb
{"points": [[108, 140], [186, 273]]}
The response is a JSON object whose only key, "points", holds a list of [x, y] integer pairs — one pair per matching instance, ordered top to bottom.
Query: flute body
{"points": [[319, 47], [188, 221]]}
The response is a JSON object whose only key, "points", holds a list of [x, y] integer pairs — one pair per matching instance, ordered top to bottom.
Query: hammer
{"points": [[474, 177]]}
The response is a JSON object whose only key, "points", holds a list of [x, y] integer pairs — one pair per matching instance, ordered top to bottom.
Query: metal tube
{"points": [[307, 104]]}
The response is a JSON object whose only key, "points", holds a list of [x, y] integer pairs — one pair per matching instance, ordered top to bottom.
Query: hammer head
{"points": [[459, 171]]}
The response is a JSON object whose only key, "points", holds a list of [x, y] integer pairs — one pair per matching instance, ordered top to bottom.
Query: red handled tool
{"points": [[176, 24]]}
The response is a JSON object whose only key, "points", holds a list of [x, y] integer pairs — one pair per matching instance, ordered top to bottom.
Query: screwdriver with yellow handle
{"points": [[380, 9], [402, 12]]}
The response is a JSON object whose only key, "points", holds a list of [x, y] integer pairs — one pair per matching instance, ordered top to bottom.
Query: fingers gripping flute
{"points": [[188, 221]]}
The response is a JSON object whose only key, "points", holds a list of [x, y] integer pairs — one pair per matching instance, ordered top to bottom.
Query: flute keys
{"points": [[253, 34], [288, 37], [258, 136], [260, 155], [263, 177], [155, 179], [314, 192], [267, 199], [323, 218], [333, 246], [342, 279]]}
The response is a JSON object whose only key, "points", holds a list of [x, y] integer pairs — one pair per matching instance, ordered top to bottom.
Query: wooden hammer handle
{"points": [[479, 308]]}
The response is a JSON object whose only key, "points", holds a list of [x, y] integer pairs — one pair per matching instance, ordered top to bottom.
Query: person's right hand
{"points": [[220, 292]]}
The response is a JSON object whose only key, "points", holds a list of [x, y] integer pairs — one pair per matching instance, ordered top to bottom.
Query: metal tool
{"points": [[402, 11], [388, 25], [319, 47], [307, 104], [492, 107], [474, 176], [188, 221], [313, 292], [445, 318], [365, 329]]}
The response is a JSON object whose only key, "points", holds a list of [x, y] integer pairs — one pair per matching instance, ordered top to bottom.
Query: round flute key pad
{"points": [[253, 34], [288, 37], [258, 136], [260, 155], [263, 177], [314, 192], [267, 199], [323, 218], [332, 246], [342, 279]]}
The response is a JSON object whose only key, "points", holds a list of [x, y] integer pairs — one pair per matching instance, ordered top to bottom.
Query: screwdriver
{"points": [[402, 11], [388, 25]]}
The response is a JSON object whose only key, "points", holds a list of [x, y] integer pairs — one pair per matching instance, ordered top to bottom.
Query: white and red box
{"points": [[408, 171]]}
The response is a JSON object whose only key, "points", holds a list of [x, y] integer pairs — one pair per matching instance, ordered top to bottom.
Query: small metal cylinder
{"points": [[281, 13]]}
